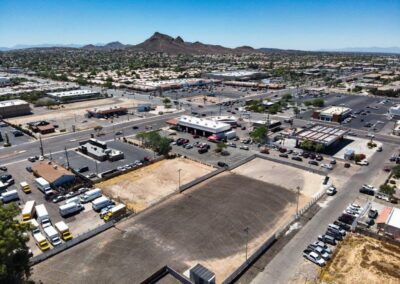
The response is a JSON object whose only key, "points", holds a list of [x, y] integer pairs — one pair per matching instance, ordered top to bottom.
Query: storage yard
{"points": [[142, 188], [202, 225], [361, 259]]}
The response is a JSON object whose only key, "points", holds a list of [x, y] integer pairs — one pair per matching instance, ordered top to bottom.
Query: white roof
{"points": [[236, 73], [72, 93], [12, 103], [332, 110], [203, 124], [394, 218]]}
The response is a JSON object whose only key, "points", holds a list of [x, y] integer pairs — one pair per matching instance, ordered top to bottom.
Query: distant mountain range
{"points": [[159, 42], [394, 49]]}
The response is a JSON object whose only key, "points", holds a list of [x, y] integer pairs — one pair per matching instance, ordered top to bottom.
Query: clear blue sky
{"points": [[301, 24]]}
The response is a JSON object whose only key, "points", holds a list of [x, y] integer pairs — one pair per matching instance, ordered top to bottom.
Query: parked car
{"points": [[243, 147], [202, 150], [283, 155], [319, 158], [297, 159], [314, 163], [363, 163], [222, 164], [347, 165], [327, 166], [3, 168], [29, 169], [331, 191], [372, 213], [342, 225], [335, 234], [327, 239], [321, 245], [320, 251], [313, 257]]}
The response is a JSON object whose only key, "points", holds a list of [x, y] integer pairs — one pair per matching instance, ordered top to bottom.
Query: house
{"points": [[42, 127], [55, 174], [388, 222]]}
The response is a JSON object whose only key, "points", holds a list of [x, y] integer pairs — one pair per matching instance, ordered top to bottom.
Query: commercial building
{"points": [[238, 75], [4, 81], [74, 95], [13, 108], [394, 111], [108, 112], [332, 114], [228, 119], [273, 125], [200, 126], [42, 127], [320, 134], [99, 150], [55, 174], [388, 222]]}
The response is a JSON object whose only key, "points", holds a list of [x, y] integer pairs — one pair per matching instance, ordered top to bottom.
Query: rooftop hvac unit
{"points": [[201, 275]]}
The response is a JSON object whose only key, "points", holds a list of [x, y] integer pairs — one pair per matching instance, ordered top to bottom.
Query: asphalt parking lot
{"points": [[374, 108], [14, 140], [78, 160], [80, 223], [202, 225]]}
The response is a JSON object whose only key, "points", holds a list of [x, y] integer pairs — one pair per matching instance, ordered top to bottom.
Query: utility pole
{"points": [[41, 145], [66, 156], [179, 180], [297, 200], [247, 239]]}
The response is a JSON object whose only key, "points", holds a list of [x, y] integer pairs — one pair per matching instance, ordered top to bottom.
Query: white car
{"points": [[243, 147], [363, 163], [327, 166], [368, 186], [331, 191], [314, 257]]}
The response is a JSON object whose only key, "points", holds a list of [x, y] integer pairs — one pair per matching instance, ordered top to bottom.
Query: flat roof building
{"points": [[240, 75], [73, 95], [13, 108], [394, 111], [107, 112], [332, 114], [201, 126], [320, 134], [100, 151], [55, 174], [388, 222]]}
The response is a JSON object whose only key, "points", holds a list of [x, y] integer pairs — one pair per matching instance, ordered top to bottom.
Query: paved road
{"points": [[58, 143], [284, 265]]}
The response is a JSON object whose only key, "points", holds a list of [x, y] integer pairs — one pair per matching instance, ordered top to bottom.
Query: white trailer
{"points": [[230, 134], [43, 185], [90, 195], [9, 196], [100, 203], [70, 208], [29, 210], [42, 215], [52, 236]]}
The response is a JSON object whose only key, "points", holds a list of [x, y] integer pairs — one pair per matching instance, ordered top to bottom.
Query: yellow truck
{"points": [[25, 187], [28, 211], [115, 212], [63, 229], [41, 241]]}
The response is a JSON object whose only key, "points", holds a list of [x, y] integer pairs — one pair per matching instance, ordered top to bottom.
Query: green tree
{"points": [[287, 97], [318, 102], [259, 133], [307, 145], [220, 146], [164, 147], [319, 148], [357, 158], [396, 171], [387, 189], [14, 256]]}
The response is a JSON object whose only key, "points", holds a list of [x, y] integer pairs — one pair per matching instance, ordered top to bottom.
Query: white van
{"points": [[90, 195], [9, 196], [100, 203], [52, 236]]}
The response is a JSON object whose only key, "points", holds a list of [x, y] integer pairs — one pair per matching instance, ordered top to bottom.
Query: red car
{"points": [[196, 136], [282, 150]]}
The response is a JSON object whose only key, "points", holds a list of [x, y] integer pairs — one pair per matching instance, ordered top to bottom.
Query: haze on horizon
{"points": [[303, 24]]}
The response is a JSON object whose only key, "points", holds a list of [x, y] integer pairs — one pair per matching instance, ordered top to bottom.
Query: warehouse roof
{"points": [[72, 93], [12, 103], [203, 124], [322, 134], [50, 171], [394, 218]]}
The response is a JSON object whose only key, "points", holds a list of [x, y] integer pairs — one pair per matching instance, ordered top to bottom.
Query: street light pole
{"points": [[179, 180], [297, 202], [247, 239]]}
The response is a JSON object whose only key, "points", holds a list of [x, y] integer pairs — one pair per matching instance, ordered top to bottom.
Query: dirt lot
{"points": [[210, 100], [73, 112], [282, 175], [142, 188], [202, 225], [361, 259]]}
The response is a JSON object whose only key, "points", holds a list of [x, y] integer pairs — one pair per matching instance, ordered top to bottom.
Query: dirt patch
{"points": [[209, 100], [282, 175], [141, 188], [361, 259]]}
